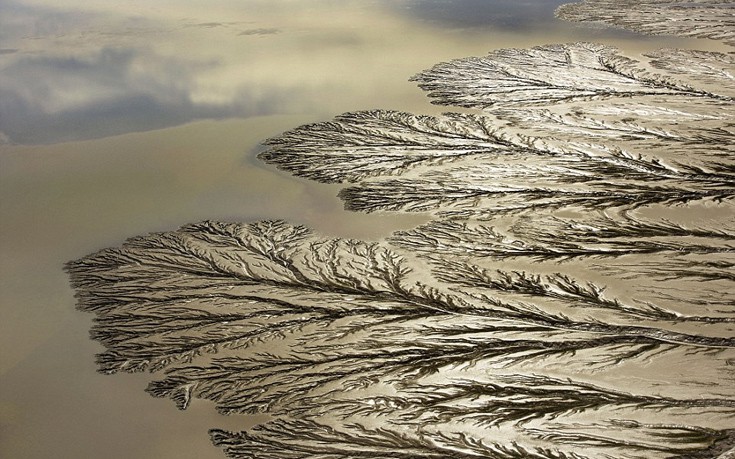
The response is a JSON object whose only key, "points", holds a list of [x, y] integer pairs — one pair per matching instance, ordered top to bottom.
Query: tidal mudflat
{"points": [[568, 293]]}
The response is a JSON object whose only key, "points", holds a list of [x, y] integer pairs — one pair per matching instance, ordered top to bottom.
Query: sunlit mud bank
{"points": [[700, 18], [571, 298]]}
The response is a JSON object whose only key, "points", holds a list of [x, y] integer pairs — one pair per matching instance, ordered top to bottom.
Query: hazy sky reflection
{"points": [[69, 72]]}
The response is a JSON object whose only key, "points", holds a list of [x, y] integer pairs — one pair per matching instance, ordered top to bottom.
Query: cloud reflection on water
{"points": [[69, 74], [68, 82], [113, 91]]}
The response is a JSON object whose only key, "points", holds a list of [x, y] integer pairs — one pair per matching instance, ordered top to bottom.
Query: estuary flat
{"points": [[545, 272]]}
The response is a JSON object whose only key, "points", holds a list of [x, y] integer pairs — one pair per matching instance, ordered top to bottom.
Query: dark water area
{"points": [[120, 120]]}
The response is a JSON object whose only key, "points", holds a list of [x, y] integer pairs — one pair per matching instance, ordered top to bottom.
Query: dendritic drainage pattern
{"points": [[571, 298]]}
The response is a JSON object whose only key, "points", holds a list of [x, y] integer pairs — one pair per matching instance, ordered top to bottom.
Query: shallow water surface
{"points": [[120, 120]]}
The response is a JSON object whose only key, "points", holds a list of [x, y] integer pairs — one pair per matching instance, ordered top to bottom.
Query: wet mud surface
{"points": [[571, 297]]}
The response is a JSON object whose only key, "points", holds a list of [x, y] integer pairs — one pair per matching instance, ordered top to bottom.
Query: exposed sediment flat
{"points": [[698, 18], [574, 125], [572, 297], [358, 349]]}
